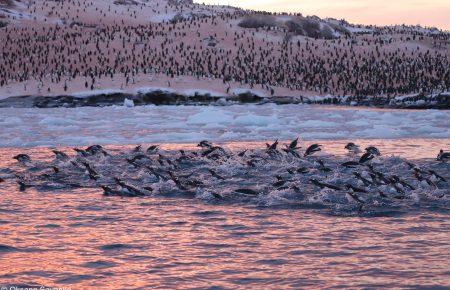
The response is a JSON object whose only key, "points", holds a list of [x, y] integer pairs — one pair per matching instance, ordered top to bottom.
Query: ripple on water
{"points": [[116, 247], [7, 249], [100, 264], [75, 278]]}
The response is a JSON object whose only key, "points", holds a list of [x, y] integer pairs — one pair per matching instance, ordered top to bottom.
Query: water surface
{"points": [[82, 239]]}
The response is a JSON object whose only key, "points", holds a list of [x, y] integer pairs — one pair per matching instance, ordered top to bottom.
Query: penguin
{"points": [[204, 144], [293, 145], [273, 146], [352, 147], [94, 149], [137, 149], [152, 149], [312, 149], [373, 150], [81, 152], [242, 153], [60, 155], [443, 156], [366, 157], [22, 158], [350, 164], [322, 166], [302, 170], [91, 172], [214, 174], [436, 176], [395, 179], [423, 179], [365, 181], [177, 182], [323, 185], [23, 186], [355, 189], [134, 190], [108, 191], [246, 191], [355, 198]]}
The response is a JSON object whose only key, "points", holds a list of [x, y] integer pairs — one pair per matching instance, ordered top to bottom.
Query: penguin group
{"points": [[384, 63], [359, 179]]}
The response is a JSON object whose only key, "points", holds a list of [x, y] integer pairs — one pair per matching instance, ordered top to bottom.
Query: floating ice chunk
{"points": [[128, 103], [209, 116]]}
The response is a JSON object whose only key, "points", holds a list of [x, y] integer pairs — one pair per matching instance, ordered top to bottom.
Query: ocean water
{"points": [[81, 239]]}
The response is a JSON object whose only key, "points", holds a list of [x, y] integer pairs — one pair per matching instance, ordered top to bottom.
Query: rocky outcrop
{"points": [[163, 97]]}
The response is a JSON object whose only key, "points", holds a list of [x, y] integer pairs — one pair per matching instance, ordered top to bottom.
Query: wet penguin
{"points": [[352, 148], [312, 149], [373, 150], [61, 156], [443, 156], [366, 157], [23, 158], [323, 185]]}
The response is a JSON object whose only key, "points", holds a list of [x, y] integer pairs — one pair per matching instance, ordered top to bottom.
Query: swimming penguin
{"points": [[204, 144], [293, 145], [273, 146], [352, 147], [94, 149], [137, 149], [152, 149], [212, 149], [312, 149], [373, 150], [81, 152], [242, 153], [60, 155], [443, 156], [366, 157], [22, 158], [136, 158], [350, 164], [322, 166], [302, 170], [91, 172], [213, 173], [158, 175], [436, 176], [396, 179], [1, 180], [423, 180], [177, 181], [365, 181], [280, 182], [323, 185], [23, 186], [129, 187], [354, 188], [108, 191], [247, 191], [216, 195], [355, 197]]}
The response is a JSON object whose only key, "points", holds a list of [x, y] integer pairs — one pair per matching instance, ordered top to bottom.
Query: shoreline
{"points": [[200, 97]]}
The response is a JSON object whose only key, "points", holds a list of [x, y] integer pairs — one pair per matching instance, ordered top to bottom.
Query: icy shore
{"points": [[168, 96], [28, 127]]}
